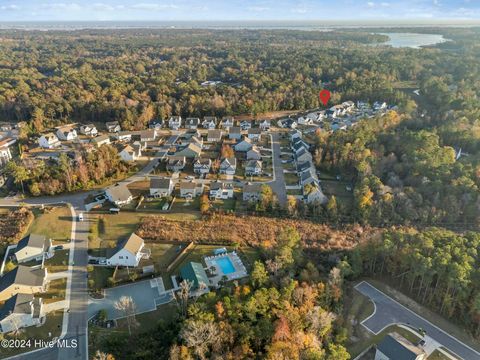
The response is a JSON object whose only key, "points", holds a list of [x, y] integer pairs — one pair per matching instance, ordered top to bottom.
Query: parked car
{"points": [[80, 217], [58, 247]]}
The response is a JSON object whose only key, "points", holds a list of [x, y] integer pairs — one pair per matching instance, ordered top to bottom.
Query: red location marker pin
{"points": [[324, 96]]}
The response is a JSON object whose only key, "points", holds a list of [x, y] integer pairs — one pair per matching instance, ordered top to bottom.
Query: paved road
{"points": [[278, 185], [388, 312]]}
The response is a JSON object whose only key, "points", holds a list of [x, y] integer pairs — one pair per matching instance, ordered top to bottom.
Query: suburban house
{"points": [[379, 105], [304, 120], [175, 122], [209, 122], [227, 122], [192, 123], [289, 123], [155, 124], [245, 125], [265, 125], [113, 126], [89, 130], [67, 133], [191, 133], [235, 133], [255, 134], [123, 135], [148, 135], [214, 135], [101, 140], [49, 141], [197, 141], [244, 145], [190, 151], [129, 153], [5, 154], [254, 154], [303, 155], [176, 163], [202, 166], [228, 166], [253, 168], [308, 177], [161, 187], [190, 189], [221, 190], [252, 192], [313, 194], [119, 195], [33, 247], [128, 252], [195, 274], [23, 280], [20, 311], [395, 347]]}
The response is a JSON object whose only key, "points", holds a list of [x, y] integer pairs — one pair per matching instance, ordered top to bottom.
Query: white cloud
{"points": [[370, 4], [61, 6], [152, 6], [11, 7], [299, 10]]}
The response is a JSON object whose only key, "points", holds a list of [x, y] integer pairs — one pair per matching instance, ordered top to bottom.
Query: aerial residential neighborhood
{"points": [[239, 180]]}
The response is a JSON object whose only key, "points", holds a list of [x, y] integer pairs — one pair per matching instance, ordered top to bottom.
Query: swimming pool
{"points": [[225, 264]]}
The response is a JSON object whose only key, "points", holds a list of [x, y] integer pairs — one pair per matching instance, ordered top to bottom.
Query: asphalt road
{"points": [[278, 186], [388, 312]]}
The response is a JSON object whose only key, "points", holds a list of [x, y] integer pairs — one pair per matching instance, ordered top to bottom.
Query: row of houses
{"points": [[208, 122], [306, 171], [19, 286]]}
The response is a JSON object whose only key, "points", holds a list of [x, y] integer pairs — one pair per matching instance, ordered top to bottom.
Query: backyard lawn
{"points": [[291, 179], [54, 223], [55, 292]]}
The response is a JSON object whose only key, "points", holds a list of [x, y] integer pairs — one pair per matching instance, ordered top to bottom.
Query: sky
{"points": [[177, 10]]}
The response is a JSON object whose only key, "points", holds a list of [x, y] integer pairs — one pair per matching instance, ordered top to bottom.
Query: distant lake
{"points": [[412, 40]]}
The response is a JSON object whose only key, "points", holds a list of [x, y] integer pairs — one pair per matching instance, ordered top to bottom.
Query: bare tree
{"points": [[127, 306], [201, 336], [103, 356]]}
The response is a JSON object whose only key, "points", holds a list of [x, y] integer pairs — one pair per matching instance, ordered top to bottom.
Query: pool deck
{"points": [[240, 270]]}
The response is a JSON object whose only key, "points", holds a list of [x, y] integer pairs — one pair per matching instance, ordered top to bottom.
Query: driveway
{"points": [[278, 185], [146, 295], [389, 312]]}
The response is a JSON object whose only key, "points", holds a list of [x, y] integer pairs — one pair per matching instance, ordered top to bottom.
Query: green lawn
{"points": [[291, 179], [294, 192], [54, 223], [59, 262], [100, 276], [52, 327], [437, 355]]}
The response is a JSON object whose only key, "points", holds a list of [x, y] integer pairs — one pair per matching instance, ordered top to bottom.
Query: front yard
{"points": [[55, 223]]}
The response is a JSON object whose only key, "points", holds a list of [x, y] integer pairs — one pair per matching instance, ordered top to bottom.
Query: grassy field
{"points": [[55, 223], [100, 276], [437, 355]]}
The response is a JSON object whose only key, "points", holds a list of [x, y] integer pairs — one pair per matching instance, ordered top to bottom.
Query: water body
{"points": [[413, 40]]}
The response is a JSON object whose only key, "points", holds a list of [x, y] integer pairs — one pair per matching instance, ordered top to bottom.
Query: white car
{"points": [[80, 217]]}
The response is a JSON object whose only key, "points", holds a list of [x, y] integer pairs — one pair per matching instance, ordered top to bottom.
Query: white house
{"points": [[379, 105], [304, 120], [175, 122], [209, 122], [227, 122], [192, 123], [245, 125], [265, 125], [113, 126], [89, 130], [67, 133], [255, 134], [49, 141], [128, 153], [5, 154], [202, 166], [228, 166], [253, 168], [161, 187], [190, 189], [221, 190], [119, 195], [33, 247], [128, 252], [23, 280], [20, 311]]}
